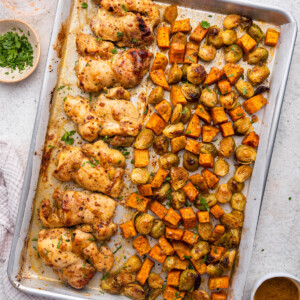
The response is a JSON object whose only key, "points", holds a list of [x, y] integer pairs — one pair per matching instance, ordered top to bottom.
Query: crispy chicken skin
{"points": [[125, 69], [109, 116], [104, 174], [66, 251]]}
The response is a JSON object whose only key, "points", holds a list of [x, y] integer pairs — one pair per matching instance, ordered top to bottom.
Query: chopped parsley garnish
{"points": [[84, 5], [124, 7], [210, 16], [205, 24], [119, 34], [99, 39], [135, 40], [114, 51], [190, 58], [230, 75], [243, 77], [206, 86], [60, 87], [245, 91], [90, 96], [185, 110], [146, 111], [188, 132], [67, 137], [50, 146], [90, 163], [168, 178], [168, 194], [290, 198], [204, 203], [34, 240], [91, 240], [59, 242], [117, 249], [215, 249], [187, 257], [204, 259], [105, 276]]}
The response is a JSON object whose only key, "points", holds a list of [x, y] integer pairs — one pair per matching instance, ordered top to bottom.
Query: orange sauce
{"points": [[278, 288]]}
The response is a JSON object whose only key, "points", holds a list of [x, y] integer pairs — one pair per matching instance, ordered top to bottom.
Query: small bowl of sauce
{"points": [[277, 286]]}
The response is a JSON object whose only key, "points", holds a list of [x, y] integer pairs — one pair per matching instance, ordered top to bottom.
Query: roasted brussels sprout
{"points": [[170, 13], [232, 21], [256, 33], [214, 37], [229, 37], [179, 38], [207, 52], [233, 53], [257, 56], [184, 71], [196, 73], [175, 74], [258, 74], [245, 88], [261, 89], [190, 91], [156, 95], [209, 98], [228, 101], [192, 105], [176, 114], [186, 114], [242, 126], [173, 130], [144, 139], [160, 144], [227, 146], [209, 148], [245, 154], [168, 160], [190, 161], [221, 167], [242, 173], [139, 176], [179, 177], [235, 186], [161, 193], [223, 193], [178, 199], [210, 200], [238, 201], [239, 215], [229, 220], [143, 223], [158, 229], [205, 230], [230, 239], [200, 249], [228, 259], [172, 262], [133, 264], [214, 270], [187, 280], [155, 281], [110, 285], [134, 291], [153, 294], [200, 295]]}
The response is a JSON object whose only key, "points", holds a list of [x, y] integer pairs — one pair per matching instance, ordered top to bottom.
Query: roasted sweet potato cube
{"points": [[170, 13], [181, 26], [198, 34], [163, 37], [272, 37], [246, 42], [176, 53], [191, 53], [160, 62], [233, 72], [213, 76], [158, 77], [224, 86], [176, 96], [254, 104], [164, 109], [202, 113], [236, 113], [218, 115], [156, 124], [193, 129], [226, 129], [209, 133], [251, 139], [178, 143], [193, 146], [141, 158], [206, 160], [159, 178], [210, 178], [199, 181], [145, 189], [190, 191], [138, 202], [158, 209], [217, 211], [202, 216], [172, 217], [188, 217], [128, 229], [217, 233], [174, 234], [190, 237], [141, 245], [166, 247], [182, 250], [217, 252], [157, 254], [199, 265], [144, 272], [173, 277], [218, 283], [171, 293], [218, 296]]}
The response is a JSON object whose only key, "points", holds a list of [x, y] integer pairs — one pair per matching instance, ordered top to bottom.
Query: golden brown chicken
{"points": [[111, 115], [103, 172], [67, 252]]}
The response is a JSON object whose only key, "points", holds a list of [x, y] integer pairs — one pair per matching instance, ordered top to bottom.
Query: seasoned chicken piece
{"points": [[89, 45], [124, 69], [107, 117], [99, 175], [101, 231], [66, 251]]}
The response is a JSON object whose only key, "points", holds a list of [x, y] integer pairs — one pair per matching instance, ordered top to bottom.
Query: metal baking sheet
{"points": [[25, 271]]}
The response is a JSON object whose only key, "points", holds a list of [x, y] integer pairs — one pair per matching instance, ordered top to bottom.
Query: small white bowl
{"points": [[7, 25], [273, 275]]}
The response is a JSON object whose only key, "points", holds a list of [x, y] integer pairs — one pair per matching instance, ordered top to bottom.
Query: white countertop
{"points": [[277, 241]]}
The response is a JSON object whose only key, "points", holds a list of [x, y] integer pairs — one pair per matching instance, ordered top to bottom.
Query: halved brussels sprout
{"points": [[232, 21], [256, 33], [214, 37], [229, 37], [179, 38], [207, 52], [233, 53], [257, 56], [184, 71], [196, 73], [175, 74], [258, 74], [245, 88], [190, 91], [156, 95], [209, 98], [228, 101], [192, 105], [176, 114], [186, 114], [242, 126], [173, 130], [144, 139], [160, 144], [227, 146], [209, 148], [245, 154], [168, 160], [190, 161], [221, 167], [242, 173], [139, 176], [179, 177], [234, 186], [223, 193], [161, 194], [178, 199], [210, 199], [238, 201], [239, 215], [229, 220], [143, 223], [158, 229], [205, 230], [230, 239], [200, 249], [228, 259], [173, 261], [133, 264], [214, 270], [123, 277], [187, 280], [155, 281], [110, 285], [134, 291], [153, 294], [200, 295]]}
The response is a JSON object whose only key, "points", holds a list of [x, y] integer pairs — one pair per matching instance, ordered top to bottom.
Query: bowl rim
{"points": [[38, 53]]}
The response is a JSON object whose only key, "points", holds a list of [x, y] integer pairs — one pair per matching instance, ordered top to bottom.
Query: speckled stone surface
{"points": [[277, 241]]}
